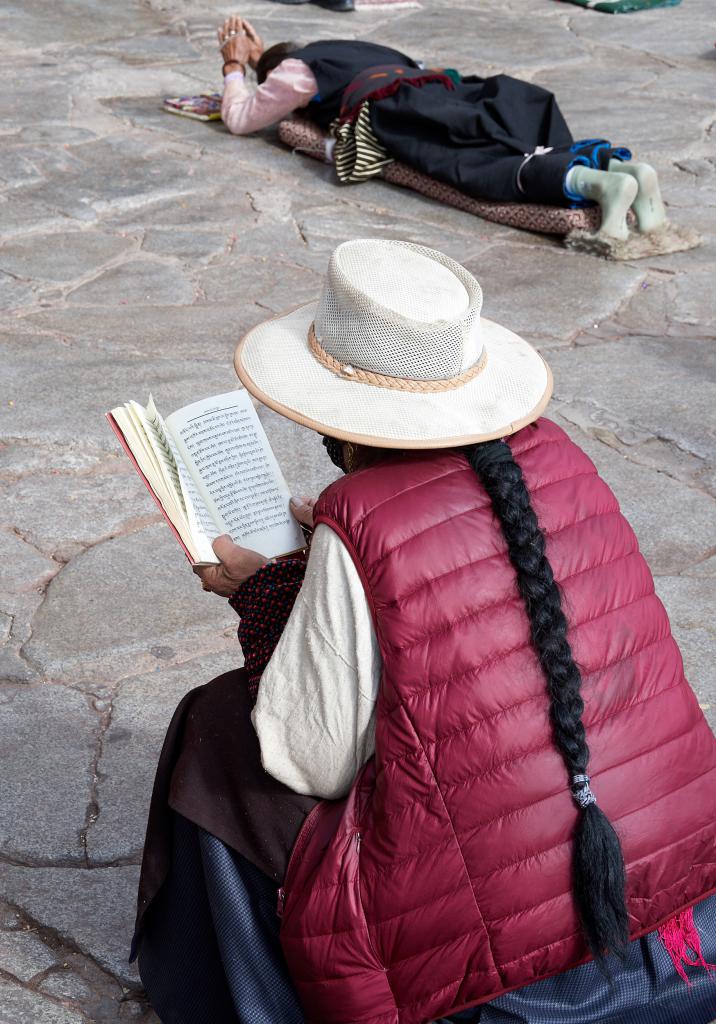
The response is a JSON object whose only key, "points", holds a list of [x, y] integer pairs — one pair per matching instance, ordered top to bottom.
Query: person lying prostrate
{"points": [[496, 138]]}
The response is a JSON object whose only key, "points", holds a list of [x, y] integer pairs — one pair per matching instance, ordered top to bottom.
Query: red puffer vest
{"points": [[443, 879]]}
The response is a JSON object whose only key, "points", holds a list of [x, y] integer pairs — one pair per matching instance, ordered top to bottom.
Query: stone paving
{"points": [[134, 250]]}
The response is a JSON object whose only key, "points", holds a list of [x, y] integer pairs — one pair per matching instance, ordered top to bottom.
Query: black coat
{"points": [[335, 63], [473, 136]]}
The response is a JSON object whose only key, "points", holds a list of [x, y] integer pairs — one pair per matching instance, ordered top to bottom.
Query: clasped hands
{"points": [[239, 42], [239, 564]]}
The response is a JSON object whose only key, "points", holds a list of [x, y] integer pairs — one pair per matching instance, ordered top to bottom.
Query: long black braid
{"points": [[598, 865]]}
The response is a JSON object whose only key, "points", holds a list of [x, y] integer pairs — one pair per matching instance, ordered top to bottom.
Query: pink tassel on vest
{"points": [[683, 943]]}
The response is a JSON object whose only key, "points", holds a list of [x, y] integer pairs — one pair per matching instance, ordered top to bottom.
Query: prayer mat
{"points": [[622, 6], [577, 227]]}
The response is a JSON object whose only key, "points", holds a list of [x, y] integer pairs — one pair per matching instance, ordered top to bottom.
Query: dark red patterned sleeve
{"points": [[264, 603]]}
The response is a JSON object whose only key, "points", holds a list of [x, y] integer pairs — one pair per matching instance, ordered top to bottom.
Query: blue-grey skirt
{"points": [[209, 953]]}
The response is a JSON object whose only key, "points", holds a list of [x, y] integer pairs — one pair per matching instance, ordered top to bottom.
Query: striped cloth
{"points": [[358, 154]]}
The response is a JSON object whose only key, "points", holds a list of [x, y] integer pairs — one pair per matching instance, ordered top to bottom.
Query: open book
{"points": [[211, 470]]}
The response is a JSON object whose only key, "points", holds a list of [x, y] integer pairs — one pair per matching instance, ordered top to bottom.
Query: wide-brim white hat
{"points": [[395, 354]]}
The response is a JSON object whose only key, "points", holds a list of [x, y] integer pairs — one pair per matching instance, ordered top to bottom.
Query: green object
{"points": [[622, 6]]}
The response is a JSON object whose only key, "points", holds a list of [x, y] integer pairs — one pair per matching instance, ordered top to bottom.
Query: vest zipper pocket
{"points": [[304, 835], [358, 840]]}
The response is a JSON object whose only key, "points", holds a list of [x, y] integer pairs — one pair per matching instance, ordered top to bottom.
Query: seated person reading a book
{"points": [[513, 143], [461, 774]]}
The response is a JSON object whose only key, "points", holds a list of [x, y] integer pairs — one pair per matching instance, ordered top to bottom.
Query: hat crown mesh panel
{"points": [[400, 309]]}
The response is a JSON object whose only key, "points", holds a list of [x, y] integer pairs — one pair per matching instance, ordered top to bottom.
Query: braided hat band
{"points": [[383, 380]]}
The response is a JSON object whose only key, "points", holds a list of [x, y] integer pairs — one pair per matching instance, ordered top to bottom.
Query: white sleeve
{"points": [[315, 712]]}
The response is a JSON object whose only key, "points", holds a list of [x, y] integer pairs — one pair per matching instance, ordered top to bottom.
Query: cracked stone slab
{"points": [[74, 20], [674, 33], [504, 45], [140, 49], [641, 71], [41, 87], [143, 111], [647, 125], [49, 135], [37, 162], [17, 169], [117, 174], [226, 205], [197, 209], [24, 213], [326, 225], [192, 246], [64, 256], [138, 282], [273, 284], [514, 292], [14, 293], [692, 301], [677, 305], [660, 307], [185, 335], [656, 386], [659, 386], [48, 407], [598, 422], [638, 445], [665, 457], [19, 459], [55, 510], [673, 522], [22, 567], [705, 569], [155, 602], [691, 604], [18, 611], [130, 751], [46, 785], [90, 909], [24, 955], [65, 984], [80, 985], [22, 1006]]}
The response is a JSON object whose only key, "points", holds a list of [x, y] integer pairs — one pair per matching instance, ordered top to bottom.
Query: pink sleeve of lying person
{"points": [[289, 87]]}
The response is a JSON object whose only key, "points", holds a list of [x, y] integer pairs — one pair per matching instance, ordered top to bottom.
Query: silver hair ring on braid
{"points": [[582, 791]]}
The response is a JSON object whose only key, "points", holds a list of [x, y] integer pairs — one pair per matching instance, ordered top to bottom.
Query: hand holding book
{"points": [[237, 564], [235, 567]]}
